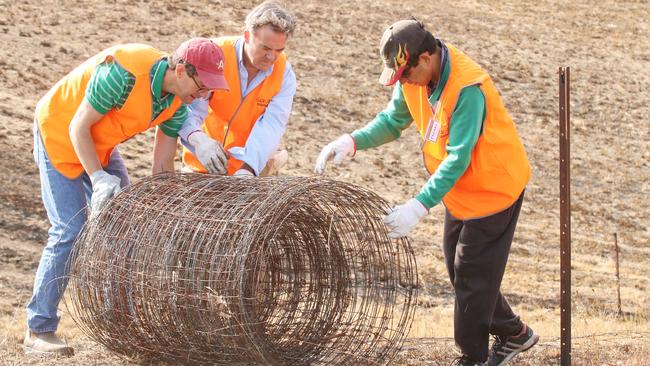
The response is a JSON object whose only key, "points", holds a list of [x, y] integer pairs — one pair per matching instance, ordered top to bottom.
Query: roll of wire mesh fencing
{"points": [[203, 269]]}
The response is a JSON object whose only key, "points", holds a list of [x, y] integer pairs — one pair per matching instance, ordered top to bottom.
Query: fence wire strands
{"points": [[200, 269]]}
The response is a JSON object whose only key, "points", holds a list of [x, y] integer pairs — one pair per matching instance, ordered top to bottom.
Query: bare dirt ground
{"points": [[335, 56]]}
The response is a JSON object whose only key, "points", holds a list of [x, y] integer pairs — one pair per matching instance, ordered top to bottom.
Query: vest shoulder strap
{"points": [[135, 58]]}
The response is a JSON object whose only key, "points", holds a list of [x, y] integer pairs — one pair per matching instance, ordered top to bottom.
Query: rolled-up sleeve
{"points": [[196, 113], [265, 136]]}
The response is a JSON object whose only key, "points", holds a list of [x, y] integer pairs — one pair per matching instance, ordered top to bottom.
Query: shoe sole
{"points": [[525, 347], [32, 352], [67, 352]]}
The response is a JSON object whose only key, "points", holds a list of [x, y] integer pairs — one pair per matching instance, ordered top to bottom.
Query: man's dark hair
{"points": [[429, 44]]}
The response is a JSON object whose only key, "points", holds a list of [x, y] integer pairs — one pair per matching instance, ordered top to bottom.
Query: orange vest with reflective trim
{"points": [[55, 110], [231, 119], [499, 170]]}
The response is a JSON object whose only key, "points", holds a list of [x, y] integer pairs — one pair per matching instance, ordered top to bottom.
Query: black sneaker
{"points": [[505, 348], [465, 361]]}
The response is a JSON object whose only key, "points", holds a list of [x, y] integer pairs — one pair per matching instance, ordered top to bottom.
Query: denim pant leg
{"points": [[65, 203]]}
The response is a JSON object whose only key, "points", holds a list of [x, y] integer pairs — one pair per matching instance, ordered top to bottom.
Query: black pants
{"points": [[476, 253]]}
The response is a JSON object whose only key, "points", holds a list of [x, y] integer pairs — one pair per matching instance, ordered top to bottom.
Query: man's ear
{"points": [[247, 36], [424, 57], [180, 70]]}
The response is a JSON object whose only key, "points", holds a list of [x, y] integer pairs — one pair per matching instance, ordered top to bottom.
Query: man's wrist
{"points": [[190, 135], [354, 144], [248, 167], [97, 174], [425, 201]]}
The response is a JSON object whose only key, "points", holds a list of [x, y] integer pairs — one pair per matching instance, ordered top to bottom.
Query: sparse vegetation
{"points": [[335, 56]]}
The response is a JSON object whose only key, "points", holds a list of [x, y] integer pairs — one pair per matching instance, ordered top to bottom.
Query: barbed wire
{"points": [[201, 269]]}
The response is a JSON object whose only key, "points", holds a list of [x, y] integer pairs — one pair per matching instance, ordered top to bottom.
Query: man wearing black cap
{"points": [[478, 168]]}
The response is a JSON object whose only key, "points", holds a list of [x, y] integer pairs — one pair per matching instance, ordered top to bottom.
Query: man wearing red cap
{"points": [[108, 99], [238, 132], [478, 168]]}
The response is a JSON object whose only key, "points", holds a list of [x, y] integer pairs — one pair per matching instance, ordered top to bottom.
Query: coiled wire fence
{"points": [[199, 269]]}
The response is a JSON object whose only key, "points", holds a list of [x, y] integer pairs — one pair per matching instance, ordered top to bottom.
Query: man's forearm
{"points": [[196, 113], [387, 124], [376, 133], [82, 140], [84, 146], [164, 151]]}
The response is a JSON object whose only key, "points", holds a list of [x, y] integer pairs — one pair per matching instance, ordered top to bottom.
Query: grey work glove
{"points": [[209, 152], [105, 186]]}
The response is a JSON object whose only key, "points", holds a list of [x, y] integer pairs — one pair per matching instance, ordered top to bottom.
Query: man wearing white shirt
{"points": [[238, 132]]}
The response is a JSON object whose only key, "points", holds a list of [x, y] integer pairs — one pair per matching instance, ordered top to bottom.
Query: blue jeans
{"points": [[65, 201]]}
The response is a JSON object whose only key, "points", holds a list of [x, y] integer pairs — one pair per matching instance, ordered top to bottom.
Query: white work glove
{"points": [[341, 148], [209, 152], [243, 173], [105, 186], [401, 219]]}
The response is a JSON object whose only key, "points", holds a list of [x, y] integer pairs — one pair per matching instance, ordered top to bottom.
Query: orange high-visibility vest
{"points": [[55, 110], [231, 119], [498, 170]]}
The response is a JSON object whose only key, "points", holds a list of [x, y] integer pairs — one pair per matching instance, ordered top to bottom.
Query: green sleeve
{"points": [[108, 87], [387, 125], [171, 126], [465, 128]]}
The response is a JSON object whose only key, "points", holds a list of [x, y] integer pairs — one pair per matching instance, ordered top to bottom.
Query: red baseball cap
{"points": [[208, 60]]}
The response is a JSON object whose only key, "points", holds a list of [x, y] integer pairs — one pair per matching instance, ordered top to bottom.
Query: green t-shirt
{"points": [[110, 86], [465, 128]]}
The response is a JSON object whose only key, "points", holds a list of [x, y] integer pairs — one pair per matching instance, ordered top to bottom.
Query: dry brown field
{"points": [[335, 56]]}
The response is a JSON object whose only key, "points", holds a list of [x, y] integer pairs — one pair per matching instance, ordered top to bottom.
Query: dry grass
{"points": [[334, 53], [599, 340], [605, 340]]}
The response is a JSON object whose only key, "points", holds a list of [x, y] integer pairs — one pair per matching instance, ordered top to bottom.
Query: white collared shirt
{"points": [[265, 136]]}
